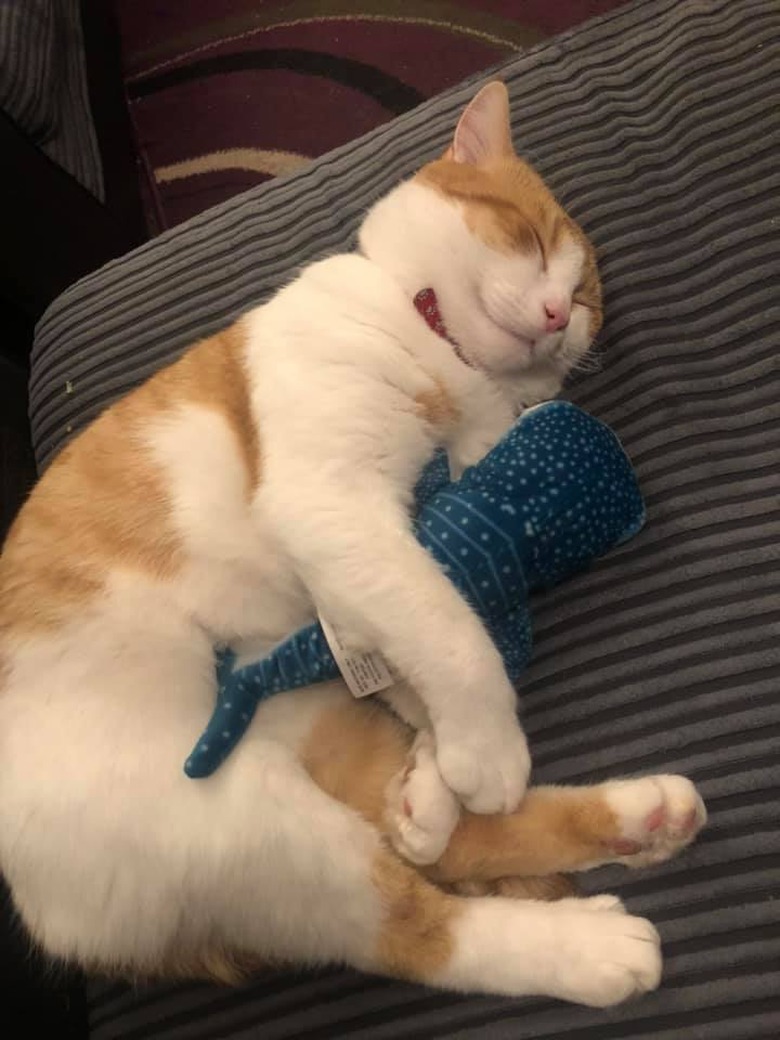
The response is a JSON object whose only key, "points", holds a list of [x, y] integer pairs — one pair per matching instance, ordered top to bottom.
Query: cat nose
{"points": [[557, 315]]}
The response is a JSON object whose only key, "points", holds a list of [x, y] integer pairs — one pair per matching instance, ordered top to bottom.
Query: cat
{"points": [[264, 477]]}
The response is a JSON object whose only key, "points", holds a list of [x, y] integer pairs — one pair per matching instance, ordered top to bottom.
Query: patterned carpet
{"points": [[227, 93]]}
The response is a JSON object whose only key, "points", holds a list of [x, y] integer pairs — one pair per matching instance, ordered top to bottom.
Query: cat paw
{"points": [[487, 771], [421, 811], [657, 816], [604, 955]]}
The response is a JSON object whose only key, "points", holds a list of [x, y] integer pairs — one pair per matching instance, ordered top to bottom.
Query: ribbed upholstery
{"points": [[43, 84]]}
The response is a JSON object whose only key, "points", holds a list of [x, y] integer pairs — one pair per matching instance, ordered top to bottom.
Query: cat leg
{"points": [[356, 553], [555, 829], [561, 829], [120, 862], [306, 879], [584, 950]]}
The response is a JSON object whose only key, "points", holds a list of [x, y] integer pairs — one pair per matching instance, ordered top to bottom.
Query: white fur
{"points": [[492, 302], [339, 503], [422, 812], [113, 855], [585, 950]]}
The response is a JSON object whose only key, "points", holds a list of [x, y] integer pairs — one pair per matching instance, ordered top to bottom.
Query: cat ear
{"points": [[483, 131]]}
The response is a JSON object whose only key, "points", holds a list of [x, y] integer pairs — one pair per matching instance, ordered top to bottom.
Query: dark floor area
{"points": [[17, 465], [36, 998]]}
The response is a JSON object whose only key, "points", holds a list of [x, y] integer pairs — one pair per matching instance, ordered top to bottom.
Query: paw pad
{"points": [[656, 816]]}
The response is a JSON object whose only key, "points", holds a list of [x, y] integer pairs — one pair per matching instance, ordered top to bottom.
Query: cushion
{"points": [[43, 83], [657, 126]]}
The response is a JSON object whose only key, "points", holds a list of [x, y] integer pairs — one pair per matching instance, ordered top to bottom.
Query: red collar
{"points": [[428, 306]]}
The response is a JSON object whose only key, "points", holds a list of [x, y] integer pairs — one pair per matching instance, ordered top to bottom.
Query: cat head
{"points": [[515, 276]]}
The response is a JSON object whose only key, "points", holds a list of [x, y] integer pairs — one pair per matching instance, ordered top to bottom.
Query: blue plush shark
{"points": [[555, 493]]}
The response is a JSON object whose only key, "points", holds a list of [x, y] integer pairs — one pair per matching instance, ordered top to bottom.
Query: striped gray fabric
{"points": [[43, 83], [658, 126]]}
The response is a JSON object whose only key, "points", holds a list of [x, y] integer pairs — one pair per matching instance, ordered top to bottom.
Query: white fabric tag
{"points": [[364, 673]]}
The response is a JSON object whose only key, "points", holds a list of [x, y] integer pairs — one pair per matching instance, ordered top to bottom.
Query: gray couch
{"points": [[658, 127]]}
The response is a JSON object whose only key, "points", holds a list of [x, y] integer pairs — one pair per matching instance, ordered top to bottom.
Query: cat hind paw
{"points": [[656, 817]]}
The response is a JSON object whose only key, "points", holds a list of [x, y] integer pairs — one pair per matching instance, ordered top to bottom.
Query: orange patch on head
{"points": [[505, 203], [508, 207], [104, 503]]}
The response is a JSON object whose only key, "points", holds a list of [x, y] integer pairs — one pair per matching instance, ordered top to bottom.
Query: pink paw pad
{"points": [[657, 816], [655, 819], [631, 846]]}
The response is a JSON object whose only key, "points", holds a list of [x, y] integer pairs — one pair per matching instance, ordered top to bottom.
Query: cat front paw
{"points": [[487, 769]]}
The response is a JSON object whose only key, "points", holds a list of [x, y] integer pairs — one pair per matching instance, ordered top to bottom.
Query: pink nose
{"points": [[557, 317]]}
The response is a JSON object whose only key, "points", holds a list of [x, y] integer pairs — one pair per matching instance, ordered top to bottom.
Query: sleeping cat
{"points": [[264, 477]]}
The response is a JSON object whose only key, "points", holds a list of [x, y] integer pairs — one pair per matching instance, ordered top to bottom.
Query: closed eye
{"points": [[540, 247]]}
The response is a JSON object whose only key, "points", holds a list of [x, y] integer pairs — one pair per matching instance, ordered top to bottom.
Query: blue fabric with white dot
{"points": [[557, 492]]}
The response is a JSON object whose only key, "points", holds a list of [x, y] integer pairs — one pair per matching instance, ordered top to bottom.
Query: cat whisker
{"points": [[588, 363]]}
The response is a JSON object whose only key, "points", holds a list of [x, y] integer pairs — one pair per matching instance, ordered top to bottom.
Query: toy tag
{"points": [[364, 673]]}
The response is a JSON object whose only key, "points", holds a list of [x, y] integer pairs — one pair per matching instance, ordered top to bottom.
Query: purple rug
{"points": [[227, 93]]}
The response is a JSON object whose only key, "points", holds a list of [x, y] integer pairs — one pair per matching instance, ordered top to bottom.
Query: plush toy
{"points": [[555, 493]]}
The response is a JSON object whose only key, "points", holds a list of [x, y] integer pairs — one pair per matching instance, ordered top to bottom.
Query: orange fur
{"points": [[505, 203], [508, 206], [211, 375], [437, 407], [81, 521], [356, 748], [352, 752], [554, 830], [547, 888], [416, 937]]}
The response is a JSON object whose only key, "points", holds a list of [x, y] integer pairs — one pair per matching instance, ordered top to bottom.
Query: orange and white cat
{"points": [[263, 477]]}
